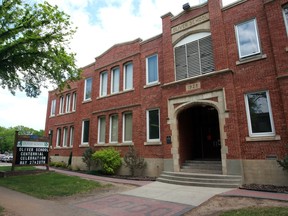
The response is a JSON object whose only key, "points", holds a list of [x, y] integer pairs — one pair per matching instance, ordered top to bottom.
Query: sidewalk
{"points": [[149, 198]]}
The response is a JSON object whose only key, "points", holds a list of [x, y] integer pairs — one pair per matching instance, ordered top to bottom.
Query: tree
{"points": [[33, 47], [133, 161]]}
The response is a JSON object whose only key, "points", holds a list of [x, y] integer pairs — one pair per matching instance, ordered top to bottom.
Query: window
{"points": [[228, 2], [285, 14], [247, 39], [194, 56], [152, 69], [128, 76], [115, 80], [103, 83], [88, 89], [68, 101], [74, 101], [61, 106], [53, 108], [259, 114], [153, 125], [127, 127], [113, 128], [101, 129], [85, 131], [58, 137], [65, 137], [71, 137]]}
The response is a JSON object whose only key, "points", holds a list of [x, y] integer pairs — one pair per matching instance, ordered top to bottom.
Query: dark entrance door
{"points": [[199, 134]]}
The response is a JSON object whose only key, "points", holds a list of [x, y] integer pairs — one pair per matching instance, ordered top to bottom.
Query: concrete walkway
{"points": [[150, 198]]}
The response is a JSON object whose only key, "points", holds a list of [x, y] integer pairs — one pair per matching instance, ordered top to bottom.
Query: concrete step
{"points": [[213, 167], [200, 179]]}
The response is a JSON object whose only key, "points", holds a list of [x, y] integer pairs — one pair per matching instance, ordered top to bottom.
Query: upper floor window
{"points": [[228, 2], [285, 14], [247, 38], [194, 56], [152, 69], [128, 76], [115, 80], [103, 83], [88, 89], [74, 97], [68, 103], [61, 105], [53, 108], [259, 114], [153, 125], [127, 127], [113, 128], [101, 129], [85, 131]]}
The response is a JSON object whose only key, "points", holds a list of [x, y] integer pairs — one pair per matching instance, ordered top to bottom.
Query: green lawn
{"points": [[8, 168], [49, 185], [1, 211], [259, 211]]}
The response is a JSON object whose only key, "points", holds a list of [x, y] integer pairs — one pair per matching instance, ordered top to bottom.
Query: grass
{"points": [[17, 168], [49, 185], [1, 211], [259, 211]]}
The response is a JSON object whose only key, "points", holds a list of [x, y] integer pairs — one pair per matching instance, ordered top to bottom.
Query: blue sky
{"points": [[101, 24]]}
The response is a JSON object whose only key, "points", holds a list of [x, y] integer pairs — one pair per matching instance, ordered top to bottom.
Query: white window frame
{"points": [[285, 7], [257, 39], [147, 70], [125, 76], [114, 86], [102, 92], [86, 95], [74, 100], [68, 103], [61, 105], [53, 107], [111, 127], [124, 128], [148, 128], [99, 129], [83, 132], [251, 133], [71, 136], [58, 137], [65, 137]]}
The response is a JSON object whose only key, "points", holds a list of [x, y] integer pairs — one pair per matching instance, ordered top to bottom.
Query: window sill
{"points": [[286, 49], [251, 59], [152, 85], [115, 94], [87, 101], [66, 113], [263, 138], [156, 143], [114, 144], [84, 145], [65, 147]]}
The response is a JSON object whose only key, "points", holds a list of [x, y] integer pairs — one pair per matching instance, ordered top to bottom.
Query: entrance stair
{"points": [[202, 174]]}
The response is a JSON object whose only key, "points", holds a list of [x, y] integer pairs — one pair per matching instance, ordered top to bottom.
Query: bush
{"points": [[87, 158], [109, 160], [133, 161], [284, 163], [61, 164]]}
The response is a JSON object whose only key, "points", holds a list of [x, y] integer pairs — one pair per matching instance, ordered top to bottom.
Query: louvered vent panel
{"points": [[206, 54], [193, 59], [180, 61]]}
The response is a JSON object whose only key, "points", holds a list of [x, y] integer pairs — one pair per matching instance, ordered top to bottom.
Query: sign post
{"points": [[31, 150]]}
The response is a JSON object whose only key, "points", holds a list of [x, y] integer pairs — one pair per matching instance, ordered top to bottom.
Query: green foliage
{"points": [[34, 40], [7, 136], [87, 158], [109, 159], [133, 161], [284, 163], [60, 164], [49, 185]]}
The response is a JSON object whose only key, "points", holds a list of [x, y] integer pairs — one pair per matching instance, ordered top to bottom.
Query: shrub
{"points": [[87, 158], [109, 160], [133, 161], [284, 163], [61, 164]]}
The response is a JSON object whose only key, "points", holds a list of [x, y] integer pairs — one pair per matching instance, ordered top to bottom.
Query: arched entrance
{"points": [[199, 134]]}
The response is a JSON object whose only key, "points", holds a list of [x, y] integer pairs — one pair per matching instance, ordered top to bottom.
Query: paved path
{"points": [[150, 198]]}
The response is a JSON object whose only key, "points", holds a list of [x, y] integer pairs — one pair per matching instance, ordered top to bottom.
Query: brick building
{"points": [[213, 86]]}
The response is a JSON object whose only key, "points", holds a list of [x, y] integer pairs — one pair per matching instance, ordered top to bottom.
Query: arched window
{"points": [[194, 56]]}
